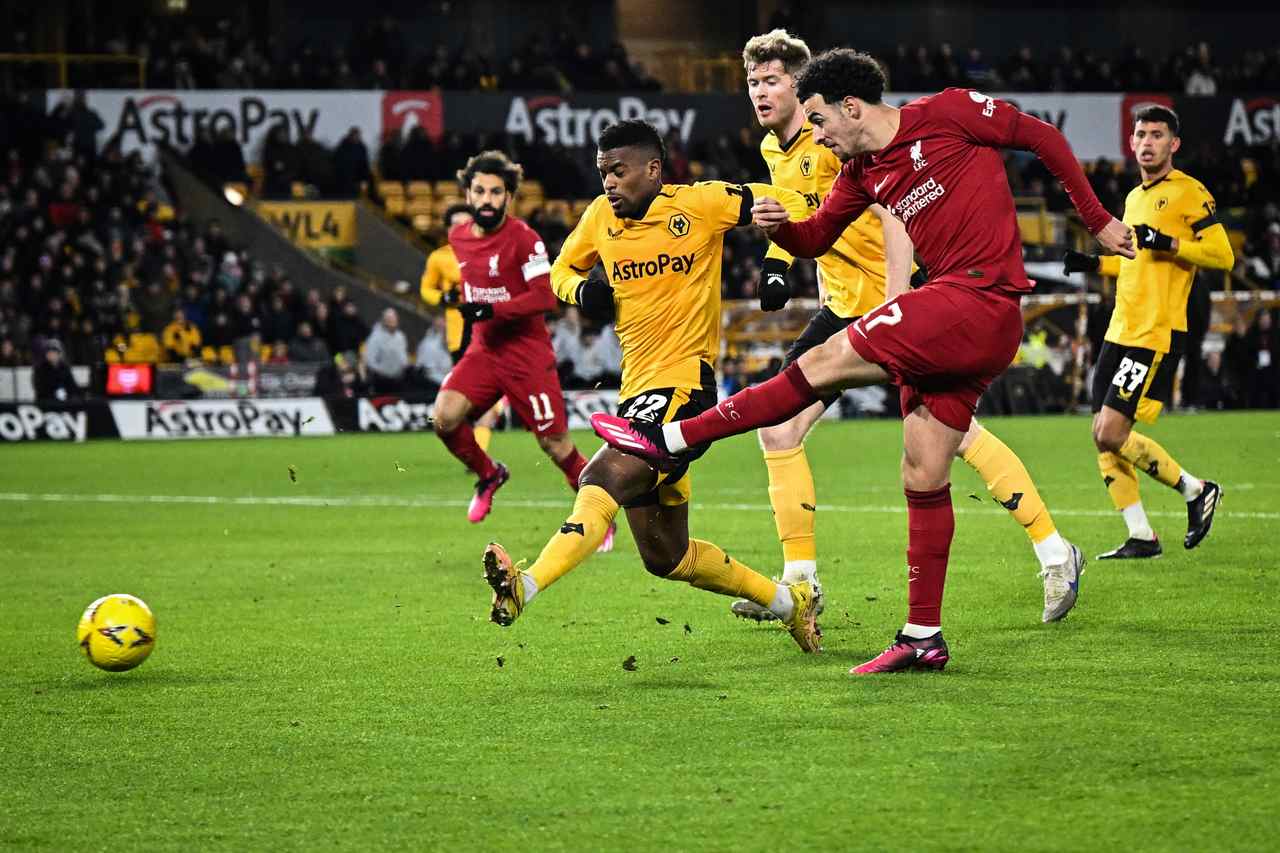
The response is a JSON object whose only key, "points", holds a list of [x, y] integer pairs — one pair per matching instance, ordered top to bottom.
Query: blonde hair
{"points": [[792, 52]]}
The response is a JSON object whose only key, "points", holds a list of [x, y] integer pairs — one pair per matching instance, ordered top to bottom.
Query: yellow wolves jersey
{"points": [[852, 272], [665, 273], [440, 276], [1152, 289]]}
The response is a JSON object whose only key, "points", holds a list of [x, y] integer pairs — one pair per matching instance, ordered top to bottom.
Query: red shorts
{"points": [[943, 345], [532, 388]]}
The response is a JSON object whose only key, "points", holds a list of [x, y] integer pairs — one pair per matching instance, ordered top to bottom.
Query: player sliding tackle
{"points": [[934, 163], [660, 245], [869, 260]]}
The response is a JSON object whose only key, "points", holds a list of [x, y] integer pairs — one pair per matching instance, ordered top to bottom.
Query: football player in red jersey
{"points": [[936, 164], [506, 289]]}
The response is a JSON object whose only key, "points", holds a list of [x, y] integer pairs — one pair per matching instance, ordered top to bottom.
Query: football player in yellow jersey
{"points": [[1174, 220], [660, 246], [852, 280], [439, 286]]}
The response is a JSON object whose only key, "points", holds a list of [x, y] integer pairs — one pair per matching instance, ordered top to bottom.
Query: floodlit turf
{"points": [[325, 676]]}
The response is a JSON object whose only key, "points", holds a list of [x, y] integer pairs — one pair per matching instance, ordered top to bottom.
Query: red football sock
{"points": [[771, 402], [462, 444], [572, 466], [930, 526]]}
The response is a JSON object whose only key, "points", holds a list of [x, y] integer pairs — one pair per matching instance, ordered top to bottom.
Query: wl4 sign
{"points": [[315, 224]]}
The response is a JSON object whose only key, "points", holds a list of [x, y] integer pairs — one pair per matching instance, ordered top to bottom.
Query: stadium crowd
{"points": [[226, 54]]}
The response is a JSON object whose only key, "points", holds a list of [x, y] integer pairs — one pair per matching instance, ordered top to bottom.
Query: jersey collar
{"points": [[793, 140]]}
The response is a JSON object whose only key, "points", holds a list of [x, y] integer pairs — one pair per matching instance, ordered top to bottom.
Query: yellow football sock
{"points": [[483, 434], [1148, 456], [1119, 478], [1009, 483], [794, 502], [579, 536], [707, 567]]}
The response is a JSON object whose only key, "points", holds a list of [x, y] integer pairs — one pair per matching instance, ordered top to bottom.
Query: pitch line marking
{"points": [[391, 501]]}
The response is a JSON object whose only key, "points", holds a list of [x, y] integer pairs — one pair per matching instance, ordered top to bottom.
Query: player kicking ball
{"points": [[936, 164], [661, 247], [869, 261], [505, 280]]}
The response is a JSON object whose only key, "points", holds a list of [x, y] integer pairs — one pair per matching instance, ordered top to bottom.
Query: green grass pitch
{"points": [[326, 678]]}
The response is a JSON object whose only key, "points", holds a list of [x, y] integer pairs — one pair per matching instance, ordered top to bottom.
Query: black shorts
{"points": [[821, 326], [1136, 382], [663, 405]]}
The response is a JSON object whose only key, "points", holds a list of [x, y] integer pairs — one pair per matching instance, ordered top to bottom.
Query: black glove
{"points": [[1150, 238], [1079, 262], [919, 277], [775, 290], [452, 296], [595, 299], [476, 311]]}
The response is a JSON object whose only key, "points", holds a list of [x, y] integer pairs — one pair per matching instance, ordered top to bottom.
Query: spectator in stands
{"points": [[418, 160], [279, 163], [315, 163], [350, 165], [155, 308], [277, 321], [246, 326], [349, 331], [181, 339], [1263, 341], [566, 342], [87, 345], [306, 347], [279, 353], [386, 353], [9, 355], [433, 361], [601, 364], [52, 377], [342, 377], [731, 378], [1216, 391]]}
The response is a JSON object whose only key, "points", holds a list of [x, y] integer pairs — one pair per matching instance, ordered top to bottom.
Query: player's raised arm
{"points": [[1002, 125], [817, 234], [569, 273]]}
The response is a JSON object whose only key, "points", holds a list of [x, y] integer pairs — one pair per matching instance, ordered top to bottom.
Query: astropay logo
{"points": [[403, 111], [169, 120], [555, 121], [1255, 121], [392, 414], [221, 418], [30, 423]]}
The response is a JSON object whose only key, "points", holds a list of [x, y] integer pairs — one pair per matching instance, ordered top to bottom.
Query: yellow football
{"points": [[117, 632]]}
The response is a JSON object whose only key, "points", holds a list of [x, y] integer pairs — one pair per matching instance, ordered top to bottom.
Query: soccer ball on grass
{"points": [[117, 632]]}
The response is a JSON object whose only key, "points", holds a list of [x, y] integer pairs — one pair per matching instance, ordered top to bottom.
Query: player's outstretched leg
{"points": [[771, 402], [561, 450], [1121, 482], [1011, 486], [1202, 496], [794, 502], [578, 537], [706, 566]]}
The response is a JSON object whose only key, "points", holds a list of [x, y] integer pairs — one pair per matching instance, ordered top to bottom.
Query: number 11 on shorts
{"points": [[541, 406]]}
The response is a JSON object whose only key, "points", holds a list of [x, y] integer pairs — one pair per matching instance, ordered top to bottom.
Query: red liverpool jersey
{"points": [[942, 175], [508, 268]]}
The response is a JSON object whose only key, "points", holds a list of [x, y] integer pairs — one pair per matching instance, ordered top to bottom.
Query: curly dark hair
{"points": [[840, 73], [1156, 112], [633, 132], [492, 163], [456, 208]]}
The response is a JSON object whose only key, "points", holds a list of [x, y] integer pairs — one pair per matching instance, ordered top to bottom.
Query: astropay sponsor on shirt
{"points": [[172, 419]]}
